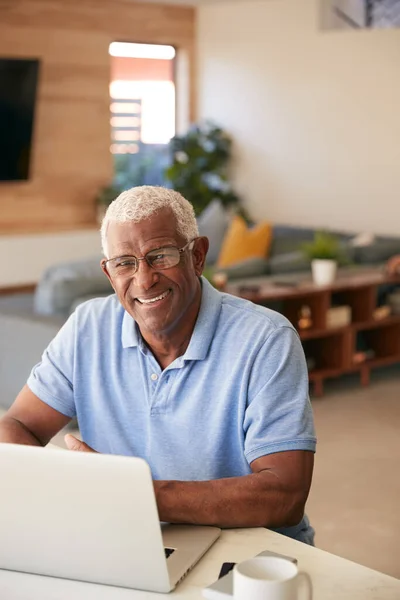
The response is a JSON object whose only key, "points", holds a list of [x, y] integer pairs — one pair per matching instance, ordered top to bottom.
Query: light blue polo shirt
{"points": [[239, 392]]}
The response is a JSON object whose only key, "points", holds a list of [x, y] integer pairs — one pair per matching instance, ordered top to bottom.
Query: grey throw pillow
{"points": [[213, 223], [62, 284]]}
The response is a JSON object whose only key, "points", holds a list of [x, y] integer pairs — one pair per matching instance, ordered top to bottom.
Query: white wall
{"points": [[315, 114], [25, 257]]}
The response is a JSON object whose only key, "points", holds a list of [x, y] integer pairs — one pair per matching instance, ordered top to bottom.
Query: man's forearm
{"points": [[14, 432], [256, 500]]}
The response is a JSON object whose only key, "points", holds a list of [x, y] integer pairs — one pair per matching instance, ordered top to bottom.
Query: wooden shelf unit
{"points": [[333, 349]]}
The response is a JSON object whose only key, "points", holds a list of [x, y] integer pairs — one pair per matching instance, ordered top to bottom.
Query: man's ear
{"points": [[199, 254], [104, 269]]}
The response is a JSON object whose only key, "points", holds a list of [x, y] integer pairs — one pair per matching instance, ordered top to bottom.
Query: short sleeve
{"points": [[51, 380], [279, 416]]}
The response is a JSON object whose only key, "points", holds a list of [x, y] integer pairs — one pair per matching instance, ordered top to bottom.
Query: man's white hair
{"points": [[140, 203]]}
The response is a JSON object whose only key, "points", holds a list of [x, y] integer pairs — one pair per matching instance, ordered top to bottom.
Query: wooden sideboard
{"points": [[332, 349]]}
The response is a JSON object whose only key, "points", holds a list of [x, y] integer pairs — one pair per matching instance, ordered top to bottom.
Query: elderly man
{"points": [[211, 390]]}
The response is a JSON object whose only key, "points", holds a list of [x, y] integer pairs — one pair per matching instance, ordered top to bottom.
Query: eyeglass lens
{"points": [[161, 258]]}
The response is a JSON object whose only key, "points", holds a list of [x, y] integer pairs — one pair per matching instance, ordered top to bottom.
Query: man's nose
{"points": [[145, 275]]}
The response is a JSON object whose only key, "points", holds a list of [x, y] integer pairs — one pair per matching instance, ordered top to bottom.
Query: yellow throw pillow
{"points": [[241, 242]]}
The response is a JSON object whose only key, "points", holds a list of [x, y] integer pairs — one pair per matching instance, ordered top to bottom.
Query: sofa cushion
{"points": [[213, 223], [365, 238], [287, 239], [241, 242], [380, 250], [289, 262], [251, 267], [61, 284]]}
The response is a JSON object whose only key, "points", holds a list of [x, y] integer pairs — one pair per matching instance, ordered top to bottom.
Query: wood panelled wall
{"points": [[71, 158]]}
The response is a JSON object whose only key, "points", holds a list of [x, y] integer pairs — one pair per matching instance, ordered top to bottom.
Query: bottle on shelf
{"points": [[305, 320], [311, 362]]}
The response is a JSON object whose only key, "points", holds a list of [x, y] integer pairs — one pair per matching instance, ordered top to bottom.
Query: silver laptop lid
{"points": [[89, 517]]}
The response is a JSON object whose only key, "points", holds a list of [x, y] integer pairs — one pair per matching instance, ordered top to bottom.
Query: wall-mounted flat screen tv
{"points": [[18, 84]]}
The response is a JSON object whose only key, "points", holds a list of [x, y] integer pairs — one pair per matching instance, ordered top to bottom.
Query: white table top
{"points": [[333, 578]]}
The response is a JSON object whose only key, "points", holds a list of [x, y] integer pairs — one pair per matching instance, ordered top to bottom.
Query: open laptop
{"points": [[90, 517]]}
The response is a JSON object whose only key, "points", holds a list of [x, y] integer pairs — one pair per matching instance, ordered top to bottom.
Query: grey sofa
{"points": [[29, 321], [23, 337]]}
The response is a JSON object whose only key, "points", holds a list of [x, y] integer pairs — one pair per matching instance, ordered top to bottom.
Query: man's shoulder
{"points": [[99, 310], [246, 314]]}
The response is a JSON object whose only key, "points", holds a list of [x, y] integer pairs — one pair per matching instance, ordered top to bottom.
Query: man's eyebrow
{"points": [[158, 247]]}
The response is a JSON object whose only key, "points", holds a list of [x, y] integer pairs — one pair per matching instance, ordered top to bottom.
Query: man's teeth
{"points": [[143, 301]]}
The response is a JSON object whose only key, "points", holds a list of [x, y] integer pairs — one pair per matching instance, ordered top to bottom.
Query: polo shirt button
{"points": [[154, 376]]}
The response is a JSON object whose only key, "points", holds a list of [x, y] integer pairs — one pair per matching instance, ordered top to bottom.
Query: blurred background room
{"points": [[279, 120]]}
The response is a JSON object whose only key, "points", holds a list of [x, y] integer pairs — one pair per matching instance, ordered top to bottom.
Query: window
{"points": [[142, 92]]}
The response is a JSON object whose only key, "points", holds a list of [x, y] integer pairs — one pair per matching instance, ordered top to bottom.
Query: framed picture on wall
{"points": [[360, 14]]}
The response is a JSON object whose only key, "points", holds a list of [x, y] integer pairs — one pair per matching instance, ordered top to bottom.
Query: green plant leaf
{"points": [[203, 177], [324, 246]]}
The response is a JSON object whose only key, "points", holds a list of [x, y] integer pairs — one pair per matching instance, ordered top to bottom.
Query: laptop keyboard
{"points": [[168, 552]]}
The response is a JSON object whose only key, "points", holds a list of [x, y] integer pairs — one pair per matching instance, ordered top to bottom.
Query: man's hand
{"points": [[74, 444]]}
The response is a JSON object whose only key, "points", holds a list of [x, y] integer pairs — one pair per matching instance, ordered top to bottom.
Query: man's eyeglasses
{"points": [[158, 259]]}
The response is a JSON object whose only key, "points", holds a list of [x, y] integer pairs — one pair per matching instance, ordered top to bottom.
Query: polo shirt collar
{"points": [[206, 323], [204, 328], [130, 336]]}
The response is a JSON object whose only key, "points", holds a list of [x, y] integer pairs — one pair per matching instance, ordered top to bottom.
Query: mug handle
{"points": [[304, 580]]}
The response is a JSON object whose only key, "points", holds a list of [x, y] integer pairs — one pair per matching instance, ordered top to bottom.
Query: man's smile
{"points": [[155, 300]]}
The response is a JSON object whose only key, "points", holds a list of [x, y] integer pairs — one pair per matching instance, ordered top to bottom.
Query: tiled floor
{"points": [[354, 503]]}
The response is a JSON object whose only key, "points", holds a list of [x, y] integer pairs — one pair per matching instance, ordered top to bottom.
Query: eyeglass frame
{"points": [[139, 258]]}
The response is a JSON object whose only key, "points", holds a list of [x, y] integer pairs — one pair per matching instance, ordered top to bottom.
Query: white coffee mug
{"points": [[269, 578]]}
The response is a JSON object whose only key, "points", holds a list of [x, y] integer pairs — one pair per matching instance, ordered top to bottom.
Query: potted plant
{"points": [[199, 166], [129, 171], [324, 252]]}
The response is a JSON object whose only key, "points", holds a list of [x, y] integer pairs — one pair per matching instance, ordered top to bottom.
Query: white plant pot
{"points": [[323, 271]]}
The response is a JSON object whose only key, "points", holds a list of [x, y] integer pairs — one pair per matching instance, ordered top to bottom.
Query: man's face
{"points": [[177, 289]]}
